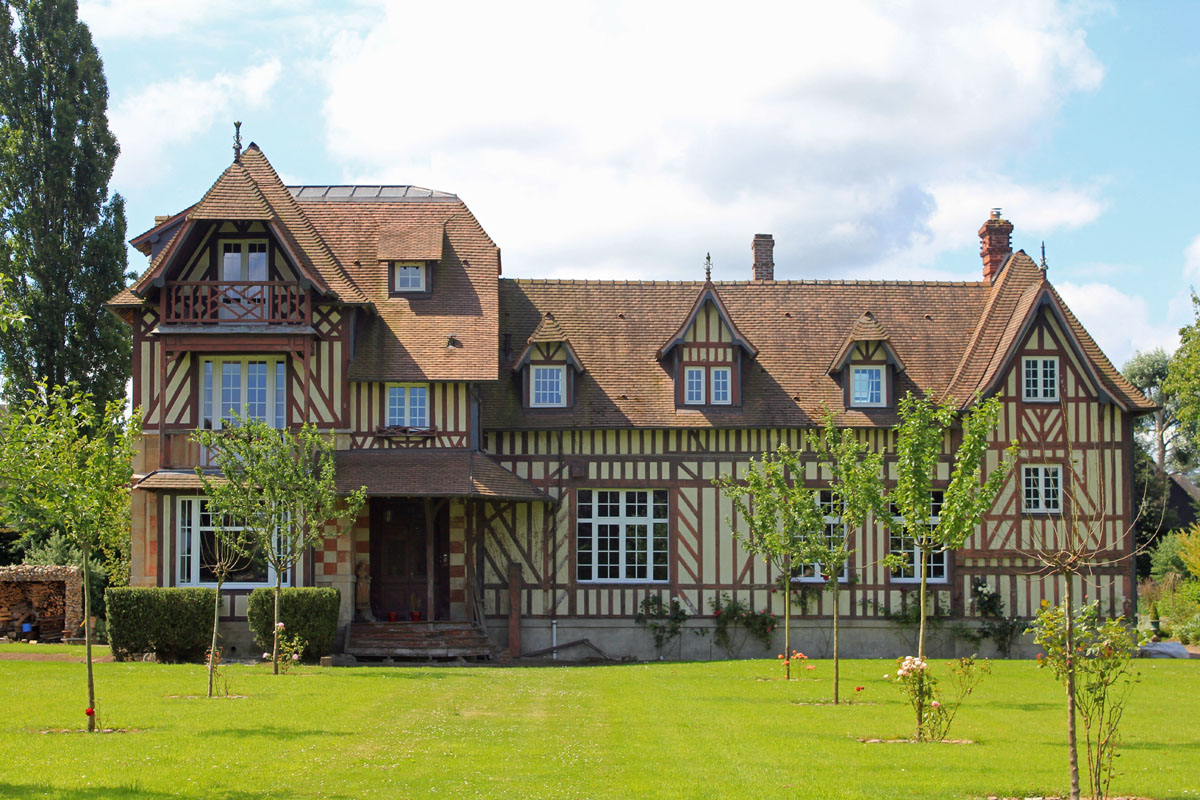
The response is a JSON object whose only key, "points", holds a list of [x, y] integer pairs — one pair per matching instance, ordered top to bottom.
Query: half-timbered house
{"points": [[539, 454]]}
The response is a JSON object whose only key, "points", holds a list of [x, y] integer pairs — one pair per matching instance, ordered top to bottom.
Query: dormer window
{"points": [[409, 277], [719, 385], [549, 386], [694, 386], [867, 387]]}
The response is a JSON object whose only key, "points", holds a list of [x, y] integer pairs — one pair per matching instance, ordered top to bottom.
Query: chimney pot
{"points": [[995, 244], [763, 248]]}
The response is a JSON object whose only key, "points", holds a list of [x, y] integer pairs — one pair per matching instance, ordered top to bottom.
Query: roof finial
{"points": [[237, 141], [1043, 264], [708, 267]]}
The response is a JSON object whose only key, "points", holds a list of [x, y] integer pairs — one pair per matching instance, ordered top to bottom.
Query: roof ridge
{"points": [[253, 154], [719, 284]]}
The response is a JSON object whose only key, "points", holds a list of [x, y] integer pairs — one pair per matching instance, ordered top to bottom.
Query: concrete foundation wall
{"points": [[624, 639]]}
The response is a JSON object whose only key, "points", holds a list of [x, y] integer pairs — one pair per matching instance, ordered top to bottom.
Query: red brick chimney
{"points": [[995, 244], [764, 257]]}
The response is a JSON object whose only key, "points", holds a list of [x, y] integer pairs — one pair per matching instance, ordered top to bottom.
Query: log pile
{"points": [[47, 598]]}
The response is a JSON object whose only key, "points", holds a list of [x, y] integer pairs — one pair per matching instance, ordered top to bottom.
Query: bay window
{"points": [[196, 548]]}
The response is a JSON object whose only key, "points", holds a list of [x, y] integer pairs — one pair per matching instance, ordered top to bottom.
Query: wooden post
{"points": [[430, 515], [514, 608]]}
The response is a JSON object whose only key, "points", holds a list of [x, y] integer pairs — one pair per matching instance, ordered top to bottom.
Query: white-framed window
{"points": [[242, 262], [408, 276], [1039, 378], [548, 386], [720, 386], [867, 386], [253, 387], [693, 387], [408, 405], [1042, 485], [835, 534], [622, 535], [196, 543], [905, 546]]}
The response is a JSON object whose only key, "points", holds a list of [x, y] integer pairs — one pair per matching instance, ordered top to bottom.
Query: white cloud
{"points": [[121, 19], [168, 113], [629, 139], [1191, 259], [1123, 324]]}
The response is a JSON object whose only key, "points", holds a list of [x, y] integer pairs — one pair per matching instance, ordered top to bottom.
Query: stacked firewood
{"points": [[31, 602]]}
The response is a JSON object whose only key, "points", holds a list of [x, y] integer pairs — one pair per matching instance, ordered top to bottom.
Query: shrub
{"points": [[1165, 558], [1180, 605], [310, 613], [735, 620], [664, 622], [174, 624], [1189, 632]]}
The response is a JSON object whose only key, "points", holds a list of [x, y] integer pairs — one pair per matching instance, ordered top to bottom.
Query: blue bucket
{"points": [[26, 627]]}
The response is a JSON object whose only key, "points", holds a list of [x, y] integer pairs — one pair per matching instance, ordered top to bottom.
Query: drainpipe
{"points": [[554, 638]]}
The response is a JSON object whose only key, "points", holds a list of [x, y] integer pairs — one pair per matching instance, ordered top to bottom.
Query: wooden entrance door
{"points": [[400, 556]]}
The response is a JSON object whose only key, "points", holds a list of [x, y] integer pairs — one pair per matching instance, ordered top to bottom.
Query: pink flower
{"points": [[279, 625], [266, 656], [295, 656], [885, 677], [936, 704]]}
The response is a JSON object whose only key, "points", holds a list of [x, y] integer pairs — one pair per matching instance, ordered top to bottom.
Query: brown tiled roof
{"points": [[249, 189], [235, 195], [297, 225], [411, 243], [708, 294], [797, 326], [866, 329], [548, 331], [449, 334], [430, 473], [174, 480]]}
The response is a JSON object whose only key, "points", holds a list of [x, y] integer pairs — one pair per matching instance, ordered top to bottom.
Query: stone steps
{"points": [[418, 640]]}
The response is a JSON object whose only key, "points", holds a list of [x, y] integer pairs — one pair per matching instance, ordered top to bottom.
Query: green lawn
{"points": [[662, 730]]}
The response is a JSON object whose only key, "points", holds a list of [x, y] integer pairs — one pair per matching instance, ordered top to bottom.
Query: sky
{"points": [[628, 140]]}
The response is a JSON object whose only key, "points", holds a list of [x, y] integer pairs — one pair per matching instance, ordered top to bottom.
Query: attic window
{"points": [[409, 276], [867, 387]]}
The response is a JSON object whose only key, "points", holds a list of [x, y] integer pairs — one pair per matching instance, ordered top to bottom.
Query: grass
{"points": [[98, 650], [720, 729]]}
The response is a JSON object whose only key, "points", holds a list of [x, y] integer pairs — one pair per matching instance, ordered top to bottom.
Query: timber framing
{"points": [[665, 386]]}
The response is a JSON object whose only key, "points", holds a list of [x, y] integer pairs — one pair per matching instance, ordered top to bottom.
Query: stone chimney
{"points": [[995, 244], [763, 248]]}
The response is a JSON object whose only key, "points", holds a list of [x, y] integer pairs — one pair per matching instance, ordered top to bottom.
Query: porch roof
{"points": [[431, 473], [164, 480]]}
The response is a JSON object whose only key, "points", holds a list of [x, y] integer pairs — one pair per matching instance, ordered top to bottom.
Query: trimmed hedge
{"points": [[308, 612], [174, 624]]}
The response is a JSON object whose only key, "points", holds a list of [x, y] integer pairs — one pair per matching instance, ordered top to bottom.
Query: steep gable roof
{"points": [[249, 189], [708, 294], [865, 329], [548, 331]]}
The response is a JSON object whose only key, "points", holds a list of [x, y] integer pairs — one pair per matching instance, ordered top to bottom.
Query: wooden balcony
{"points": [[219, 303]]}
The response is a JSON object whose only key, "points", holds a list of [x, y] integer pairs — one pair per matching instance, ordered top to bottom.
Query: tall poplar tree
{"points": [[63, 236]]}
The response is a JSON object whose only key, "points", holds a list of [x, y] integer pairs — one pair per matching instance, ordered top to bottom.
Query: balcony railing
{"points": [[217, 302]]}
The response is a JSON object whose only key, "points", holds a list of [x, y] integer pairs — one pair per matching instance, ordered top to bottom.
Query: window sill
{"points": [[1041, 400], [402, 432], [818, 581], [917, 581], [600, 584]]}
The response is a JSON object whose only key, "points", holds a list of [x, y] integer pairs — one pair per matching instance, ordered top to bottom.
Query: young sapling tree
{"points": [[923, 433], [66, 464], [279, 486], [855, 491], [778, 516]]}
